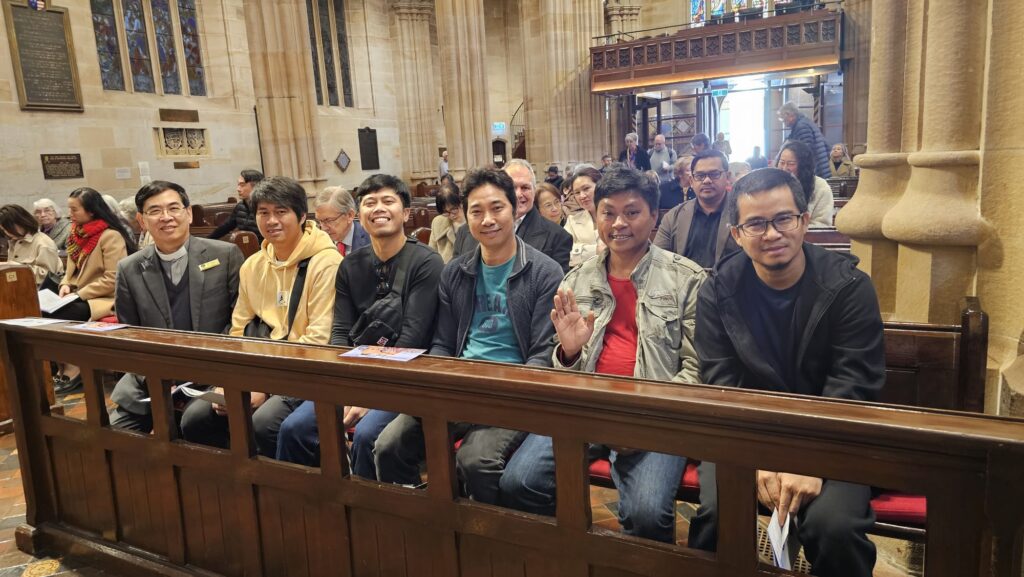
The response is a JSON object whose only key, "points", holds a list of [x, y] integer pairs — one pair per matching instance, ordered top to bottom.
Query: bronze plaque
{"points": [[44, 57], [177, 115], [187, 164], [57, 166]]}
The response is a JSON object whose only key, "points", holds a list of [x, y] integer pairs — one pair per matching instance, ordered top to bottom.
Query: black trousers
{"points": [[73, 311], [200, 424], [832, 528]]}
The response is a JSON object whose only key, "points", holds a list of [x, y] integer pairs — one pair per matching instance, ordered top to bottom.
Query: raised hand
{"points": [[573, 329]]}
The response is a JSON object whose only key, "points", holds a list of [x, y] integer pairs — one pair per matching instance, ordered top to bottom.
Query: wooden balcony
{"points": [[808, 39]]}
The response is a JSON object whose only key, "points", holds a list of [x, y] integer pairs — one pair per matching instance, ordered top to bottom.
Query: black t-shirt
{"points": [[700, 243], [769, 314]]}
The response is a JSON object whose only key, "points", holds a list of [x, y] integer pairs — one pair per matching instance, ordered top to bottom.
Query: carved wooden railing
{"points": [[805, 39], [156, 504]]}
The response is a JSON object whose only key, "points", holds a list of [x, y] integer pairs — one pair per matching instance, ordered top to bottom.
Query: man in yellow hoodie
{"points": [[267, 285]]}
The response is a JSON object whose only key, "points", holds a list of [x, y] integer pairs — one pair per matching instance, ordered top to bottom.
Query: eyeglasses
{"points": [[712, 174], [551, 206], [172, 211], [329, 221], [781, 223]]}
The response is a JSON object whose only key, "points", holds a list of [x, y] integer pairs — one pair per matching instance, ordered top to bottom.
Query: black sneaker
{"points": [[68, 386]]}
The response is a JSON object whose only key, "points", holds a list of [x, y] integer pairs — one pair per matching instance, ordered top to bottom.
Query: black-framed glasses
{"points": [[712, 174], [174, 211], [781, 223]]}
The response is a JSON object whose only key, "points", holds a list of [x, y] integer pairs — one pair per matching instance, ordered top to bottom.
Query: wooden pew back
{"points": [[17, 300], [158, 505]]}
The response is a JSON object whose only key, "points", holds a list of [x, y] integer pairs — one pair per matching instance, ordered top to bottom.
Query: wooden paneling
{"points": [[141, 509], [212, 524]]}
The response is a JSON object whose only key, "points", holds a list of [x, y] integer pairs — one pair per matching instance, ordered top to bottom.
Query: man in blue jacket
{"points": [[803, 129], [493, 305], [787, 316]]}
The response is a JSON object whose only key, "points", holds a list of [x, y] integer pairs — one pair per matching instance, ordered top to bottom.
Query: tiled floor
{"points": [[14, 563]]}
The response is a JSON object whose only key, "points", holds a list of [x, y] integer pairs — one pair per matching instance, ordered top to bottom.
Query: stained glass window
{"points": [[744, 4], [717, 8], [698, 11], [104, 25], [325, 37], [190, 44], [138, 46], [165, 50], [315, 52], [346, 74]]}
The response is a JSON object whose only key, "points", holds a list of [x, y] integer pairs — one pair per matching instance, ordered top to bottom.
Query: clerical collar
{"points": [[181, 252]]}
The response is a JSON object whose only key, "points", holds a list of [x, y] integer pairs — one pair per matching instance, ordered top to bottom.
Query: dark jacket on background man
{"points": [[807, 132], [642, 162], [242, 218], [536, 231], [531, 289], [837, 327]]}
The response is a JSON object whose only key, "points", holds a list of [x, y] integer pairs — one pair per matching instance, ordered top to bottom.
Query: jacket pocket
{"points": [[662, 326]]}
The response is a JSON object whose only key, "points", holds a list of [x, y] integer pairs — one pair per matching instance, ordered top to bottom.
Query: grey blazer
{"points": [[675, 229], [141, 300]]}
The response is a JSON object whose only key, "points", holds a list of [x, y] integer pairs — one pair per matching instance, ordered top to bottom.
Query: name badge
{"points": [[209, 264], [282, 298]]}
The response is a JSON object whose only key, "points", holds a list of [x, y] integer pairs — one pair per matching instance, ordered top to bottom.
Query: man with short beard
{"points": [[179, 282]]}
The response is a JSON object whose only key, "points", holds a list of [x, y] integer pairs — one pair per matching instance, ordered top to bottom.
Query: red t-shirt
{"points": [[618, 355]]}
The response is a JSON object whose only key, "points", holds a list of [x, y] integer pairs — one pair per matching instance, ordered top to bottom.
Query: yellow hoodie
{"points": [[264, 289]]}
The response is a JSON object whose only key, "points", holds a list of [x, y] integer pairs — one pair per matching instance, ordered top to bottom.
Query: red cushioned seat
{"points": [[110, 319], [601, 471], [900, 508]]}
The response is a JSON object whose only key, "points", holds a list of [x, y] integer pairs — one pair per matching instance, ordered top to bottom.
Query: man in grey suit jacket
{"points": [[696, 229], [179, 282]]}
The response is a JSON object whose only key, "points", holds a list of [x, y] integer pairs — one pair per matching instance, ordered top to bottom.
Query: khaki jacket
{"points": [[845, 169], [442, 236], [40, 254], [96, 280], [666, 314]]}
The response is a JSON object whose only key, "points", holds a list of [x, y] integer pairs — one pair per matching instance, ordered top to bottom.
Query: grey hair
{"points": [[789, 108], [632, 137], [522, 164], [338, 198], [44, 203], [113, 204], [128, 208]]}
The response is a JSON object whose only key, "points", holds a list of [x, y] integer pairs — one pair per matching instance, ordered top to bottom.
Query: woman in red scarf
{"points": [[97, 242]]}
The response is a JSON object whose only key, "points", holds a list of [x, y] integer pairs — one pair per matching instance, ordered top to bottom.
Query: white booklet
{"points": [[49, 302], [783, 542]]}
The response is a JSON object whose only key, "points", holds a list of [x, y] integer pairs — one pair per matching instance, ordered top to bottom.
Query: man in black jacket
{"points": [[242, 216], [534, 229], [791, 317]]}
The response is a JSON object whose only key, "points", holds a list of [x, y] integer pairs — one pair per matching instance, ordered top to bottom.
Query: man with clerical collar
{"points": [[534, 229], [696, 229], [179, 282], [493, 305], [784, 315]]}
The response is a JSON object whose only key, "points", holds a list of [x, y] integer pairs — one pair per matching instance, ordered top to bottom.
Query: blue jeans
{"points": [[367, 430], [299, 439], [646, 481]]}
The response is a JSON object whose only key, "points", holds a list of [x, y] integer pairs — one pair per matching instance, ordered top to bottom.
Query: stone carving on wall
{"points": [[182, 142]]}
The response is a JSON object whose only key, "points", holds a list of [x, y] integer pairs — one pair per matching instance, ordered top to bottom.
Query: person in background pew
{"points": [[796, 158], [840, 164], [678, 190], [549, 202], [131, 213], [336, 215], [243, 216], [51, 223], [581, 224], [445, 226], [530, 226], [696, 228], [98, 241], [29, 247], [296, 256], [179, 282], [385, 295], [493, 307], [629, 311], [784, 315]]}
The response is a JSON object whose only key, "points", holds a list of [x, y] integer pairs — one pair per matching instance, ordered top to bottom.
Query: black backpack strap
{"points": [[296, 295]]}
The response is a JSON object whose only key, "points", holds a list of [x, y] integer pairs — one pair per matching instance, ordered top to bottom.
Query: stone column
{"points": [[623, 16], [460, 32], [282, 76], [416, 88], [564, 121], [884, 169], [937, 221]]}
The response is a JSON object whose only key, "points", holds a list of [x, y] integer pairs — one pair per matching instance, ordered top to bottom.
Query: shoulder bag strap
{"points": [[296, 295]]}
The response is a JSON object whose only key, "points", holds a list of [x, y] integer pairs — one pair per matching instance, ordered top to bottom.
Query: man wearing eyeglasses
{"points": [[335, 215], [696, 229], [179, 282], [787, 316]]}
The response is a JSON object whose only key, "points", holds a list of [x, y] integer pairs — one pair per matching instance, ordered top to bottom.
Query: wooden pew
{"points": [[828, 238], [246, 241], [18, 299], [230, 512]]}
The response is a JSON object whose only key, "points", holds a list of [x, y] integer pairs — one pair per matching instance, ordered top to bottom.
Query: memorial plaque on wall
{"points": [[43, 56], [368, 155], [57, 166]]}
